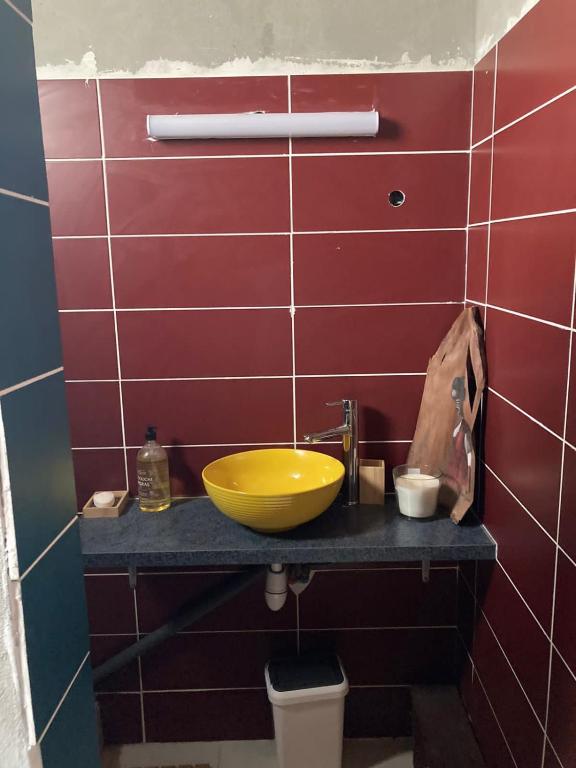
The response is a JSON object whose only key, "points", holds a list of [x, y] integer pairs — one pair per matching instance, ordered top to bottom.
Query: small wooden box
{"points": [[372, 481], [120, 499]]}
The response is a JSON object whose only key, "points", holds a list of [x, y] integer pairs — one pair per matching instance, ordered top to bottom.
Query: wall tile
{"points": [[535, 60], [483, 96], [127, 102], [418, 110], [69, 111], [21, 167], [527, 176], [480, 182], [336, 193], [238, 195], [76, 198], [477, 263], [532, 266], [377, 268], [202, 271], [82, 274], [401, 338], [205, 344], [89, 345], [33, 346], [528, 365], [388, 405], [94, 410], [221, 417], [526, 458], [40, 465], [97, 471], [567, 537], [524, 550], [159, 596], [110, 601], [430, 604], [54, 608], [565, 620], [524, 643], [101, 649], [389, 656], [214, 660], [513, 711], [376, 712], [562, 714], [208, 716], [121, 718], [487, 730], [72, 738]]}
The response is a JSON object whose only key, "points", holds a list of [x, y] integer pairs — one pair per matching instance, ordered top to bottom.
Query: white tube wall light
{"points": [[263, 125]]}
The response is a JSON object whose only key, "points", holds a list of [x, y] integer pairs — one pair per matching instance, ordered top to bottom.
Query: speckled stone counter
{"points": [[194, 532]]}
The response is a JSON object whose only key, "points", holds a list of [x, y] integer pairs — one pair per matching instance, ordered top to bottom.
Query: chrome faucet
{"points": [[349, 434]]}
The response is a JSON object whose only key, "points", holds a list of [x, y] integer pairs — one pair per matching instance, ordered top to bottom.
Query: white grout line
{"points": [[20, 13], [540, 107], [268, 156], [491, 185], [469, 188], [26, 198], [539, 215], [262, 234], [111, 268], [292, 286], [265, 307], [524, 316], [251, 378], [28, 382], [525, 413], [233, 445], [521, 504], [559, 512], [54, 541], [512, 669], [477, 676], [140, 685], [63, 699]]}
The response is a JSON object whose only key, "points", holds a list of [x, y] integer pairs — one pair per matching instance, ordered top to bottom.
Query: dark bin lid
{"points": [[296, 673]]}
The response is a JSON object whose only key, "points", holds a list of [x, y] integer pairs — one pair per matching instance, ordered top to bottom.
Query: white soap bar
{"points": [[417, 494], [104, 499]]}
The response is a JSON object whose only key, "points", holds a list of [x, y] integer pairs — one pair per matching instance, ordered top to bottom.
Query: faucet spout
{"points": [[349, 434], [317, 437]]}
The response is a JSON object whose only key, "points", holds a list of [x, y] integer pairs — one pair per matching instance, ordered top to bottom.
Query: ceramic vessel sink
{"points": [[274, 489]]}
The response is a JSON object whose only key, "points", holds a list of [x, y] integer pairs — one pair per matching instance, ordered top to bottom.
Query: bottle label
{"points": [[153, 482]]}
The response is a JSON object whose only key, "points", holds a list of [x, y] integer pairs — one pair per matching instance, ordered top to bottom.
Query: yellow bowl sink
{"points": [[274, 489]]}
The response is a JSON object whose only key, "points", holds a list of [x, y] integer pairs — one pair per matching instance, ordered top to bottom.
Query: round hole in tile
{"points": [[396, 198]]}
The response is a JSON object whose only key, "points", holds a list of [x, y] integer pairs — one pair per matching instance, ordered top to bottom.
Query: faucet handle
{"points": [[336, 402]]}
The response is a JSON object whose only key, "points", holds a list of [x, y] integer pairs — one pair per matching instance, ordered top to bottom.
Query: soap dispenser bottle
{"points": [[153, 475]]}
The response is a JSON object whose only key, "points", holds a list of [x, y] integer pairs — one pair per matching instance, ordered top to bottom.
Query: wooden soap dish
{"points": [[119, 507]]}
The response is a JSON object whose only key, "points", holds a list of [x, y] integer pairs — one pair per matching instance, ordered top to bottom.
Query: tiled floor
{"points": [[358, 753]]}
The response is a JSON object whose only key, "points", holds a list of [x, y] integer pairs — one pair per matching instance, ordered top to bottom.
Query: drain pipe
{"points": [[276, 589], [187, 614]]}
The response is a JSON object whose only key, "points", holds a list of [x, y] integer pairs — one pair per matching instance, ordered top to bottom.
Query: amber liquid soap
{"points": [[153, 475]]}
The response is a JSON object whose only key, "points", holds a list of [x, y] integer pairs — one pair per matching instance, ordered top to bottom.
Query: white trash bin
{"points": [[307, 696]]}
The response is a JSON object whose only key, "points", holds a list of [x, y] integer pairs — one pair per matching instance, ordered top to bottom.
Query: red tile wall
{"points": [[224, 291], [520, 678]]}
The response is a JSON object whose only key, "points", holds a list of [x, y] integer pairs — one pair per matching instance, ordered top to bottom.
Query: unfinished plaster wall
{"points": [[494, 18], [81, 38]]}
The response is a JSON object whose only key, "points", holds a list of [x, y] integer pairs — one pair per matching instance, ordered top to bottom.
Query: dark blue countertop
{"points": [[194, 532]]}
